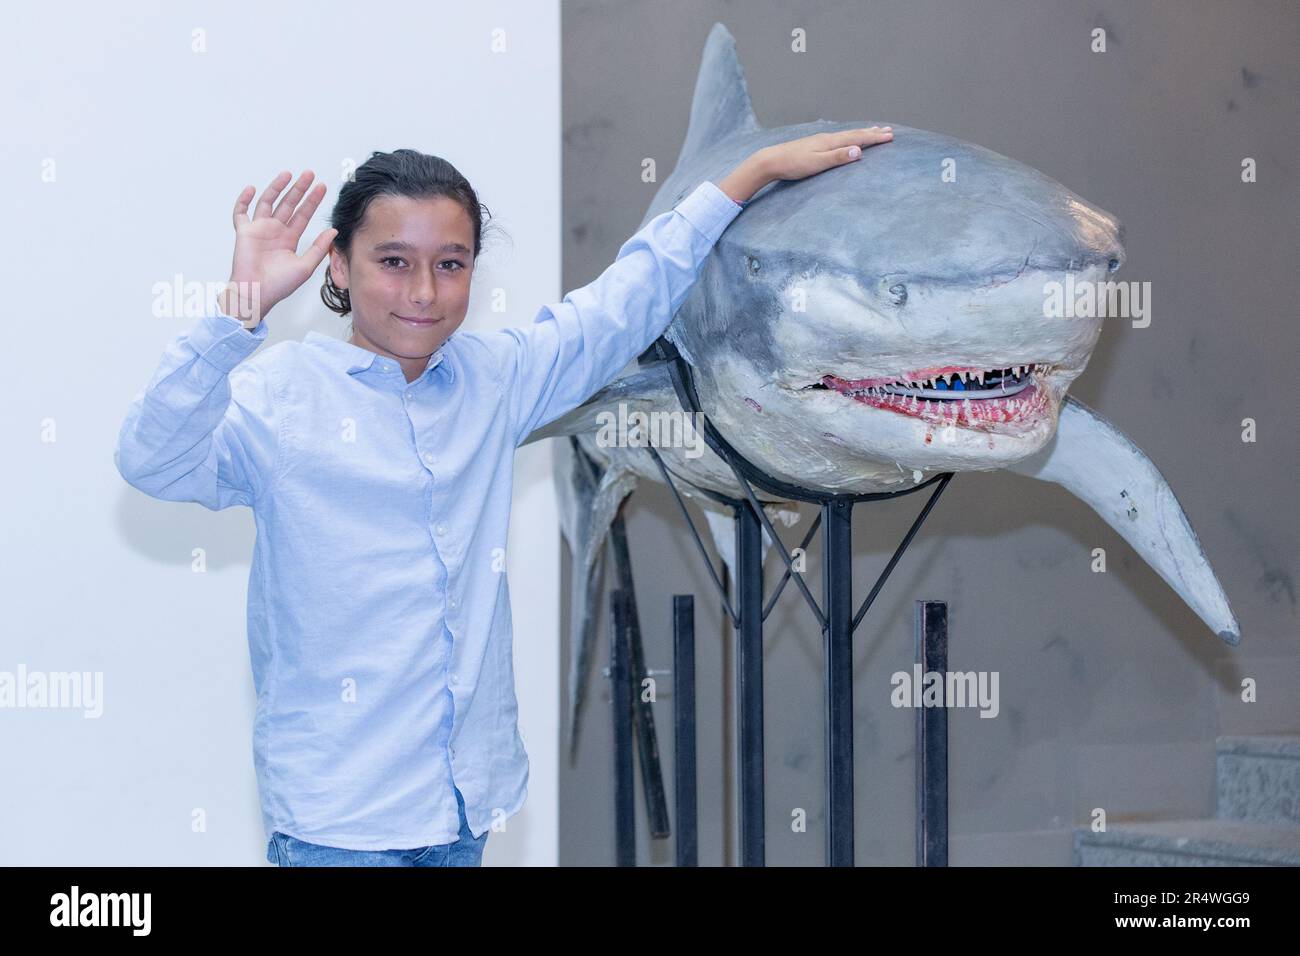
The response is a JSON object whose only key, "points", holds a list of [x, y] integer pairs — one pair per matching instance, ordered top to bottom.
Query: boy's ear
{"points": [[338, 268]]}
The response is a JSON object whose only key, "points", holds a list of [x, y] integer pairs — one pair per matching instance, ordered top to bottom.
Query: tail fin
{"points": [[589, 496]]}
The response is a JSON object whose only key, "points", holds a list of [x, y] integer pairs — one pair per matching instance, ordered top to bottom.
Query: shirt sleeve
{"points": [[575, 347], [206, 428]]}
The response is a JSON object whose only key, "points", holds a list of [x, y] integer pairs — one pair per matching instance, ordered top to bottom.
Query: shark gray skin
{"points": [[819, 327]]}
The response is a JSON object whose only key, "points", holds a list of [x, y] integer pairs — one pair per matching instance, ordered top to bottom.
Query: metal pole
{"points": [[837, 577], [931, 646], [749, 682], [621, 702], [647, 741], [685, 799]]}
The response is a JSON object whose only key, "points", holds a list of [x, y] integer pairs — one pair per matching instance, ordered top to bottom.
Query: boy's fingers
{"points": [[871, 134], [850, 136], [871, 139], [268, 195], [241, 204], [286, 205], [306, 209], [317, 250]]}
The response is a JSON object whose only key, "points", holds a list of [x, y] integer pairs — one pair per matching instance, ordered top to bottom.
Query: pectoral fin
{"points": [[647, 388], [1098, 463]]}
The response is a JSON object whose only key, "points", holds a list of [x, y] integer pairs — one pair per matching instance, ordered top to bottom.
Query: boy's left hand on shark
{"points": [[800, 158]]}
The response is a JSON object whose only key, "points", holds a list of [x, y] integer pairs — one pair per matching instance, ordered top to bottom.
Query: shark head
{"points": [[893, 316]]}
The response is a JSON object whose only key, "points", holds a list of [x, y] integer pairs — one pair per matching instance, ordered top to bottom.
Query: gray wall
{"points": [[1112, 691]]}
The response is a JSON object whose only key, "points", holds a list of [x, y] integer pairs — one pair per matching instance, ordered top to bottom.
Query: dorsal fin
{"points": [[721, 103]]}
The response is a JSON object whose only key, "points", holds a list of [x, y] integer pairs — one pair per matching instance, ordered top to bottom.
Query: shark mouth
{"points": [[952, 395]]}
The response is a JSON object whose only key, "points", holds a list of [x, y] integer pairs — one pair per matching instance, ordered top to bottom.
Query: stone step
{"points": [[1257, 778], [1189, 843]]}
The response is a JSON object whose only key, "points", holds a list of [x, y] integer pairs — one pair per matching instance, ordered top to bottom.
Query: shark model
{"points": [[866, 329]]}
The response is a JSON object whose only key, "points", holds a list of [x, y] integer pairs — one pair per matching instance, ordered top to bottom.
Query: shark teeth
{"points": [[946, 384], [1007, 396]]}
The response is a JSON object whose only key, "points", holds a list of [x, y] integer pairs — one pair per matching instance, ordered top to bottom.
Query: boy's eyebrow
{"points": [[397, 245]]}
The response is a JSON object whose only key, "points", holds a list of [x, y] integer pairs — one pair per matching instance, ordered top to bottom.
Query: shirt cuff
{"points": [[709, 210], [223, 341]]}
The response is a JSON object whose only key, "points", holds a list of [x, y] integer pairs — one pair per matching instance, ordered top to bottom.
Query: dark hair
{"points": [[403, 172]]}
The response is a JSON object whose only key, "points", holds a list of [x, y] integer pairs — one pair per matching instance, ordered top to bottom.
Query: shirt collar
{"points": [[351, 358]]}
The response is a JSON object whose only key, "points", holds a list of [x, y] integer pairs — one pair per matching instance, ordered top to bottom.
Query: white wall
{"points": [[150, 141]]}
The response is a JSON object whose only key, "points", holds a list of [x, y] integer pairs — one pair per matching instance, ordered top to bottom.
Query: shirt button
{"points": [[408, 394], [428, 456], [440, 528], [452, 601], [453, 678]]}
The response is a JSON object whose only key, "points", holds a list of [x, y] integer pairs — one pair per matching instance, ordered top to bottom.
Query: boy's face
{"points": [[411, 260]]}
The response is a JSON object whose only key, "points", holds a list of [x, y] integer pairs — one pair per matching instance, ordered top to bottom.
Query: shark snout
{"points": [[1098, 237], [1112, 249], [1116, 255]]}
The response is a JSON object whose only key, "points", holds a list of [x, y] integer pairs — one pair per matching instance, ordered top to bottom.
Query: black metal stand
{"points": [[748, 616], [621, 702], [642, 713], [931, 740], [685, 798]]}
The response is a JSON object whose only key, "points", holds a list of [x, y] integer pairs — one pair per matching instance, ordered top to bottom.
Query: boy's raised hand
{"points": [[809, 155], [800, 158], [266, 266]]}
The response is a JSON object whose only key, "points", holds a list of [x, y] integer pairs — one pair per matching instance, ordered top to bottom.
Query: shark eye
{"points": [[752, 263], [1113, 265], [898, 293]]}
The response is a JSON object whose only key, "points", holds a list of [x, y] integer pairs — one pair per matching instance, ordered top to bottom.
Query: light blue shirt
{"points": [[378, 611]]}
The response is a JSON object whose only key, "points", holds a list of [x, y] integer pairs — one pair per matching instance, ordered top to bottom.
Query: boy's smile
{"points": [[408, 277]]}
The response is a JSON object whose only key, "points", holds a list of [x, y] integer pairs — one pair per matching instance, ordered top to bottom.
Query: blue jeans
{"points": [[284, 850]]}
